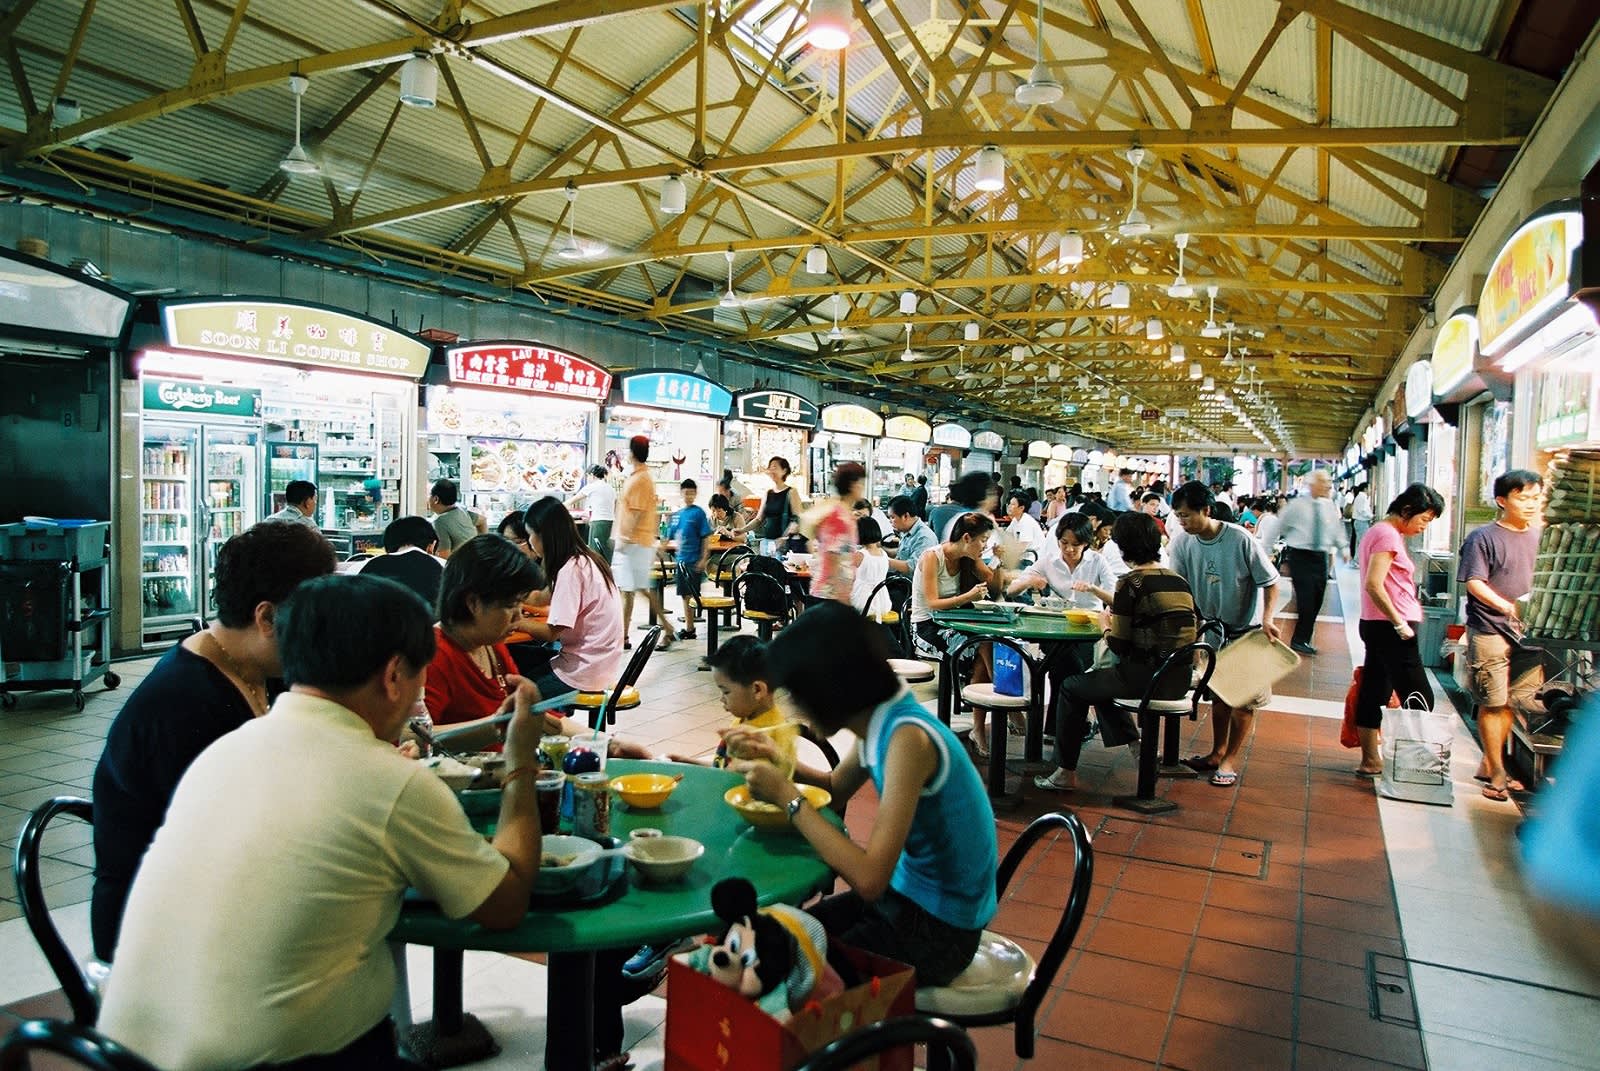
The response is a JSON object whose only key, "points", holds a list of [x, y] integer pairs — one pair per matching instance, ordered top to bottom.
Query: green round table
{"points": [[782, 866]]}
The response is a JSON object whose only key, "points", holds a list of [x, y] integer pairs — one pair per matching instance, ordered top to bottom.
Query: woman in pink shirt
{"points": [[1390, 614], [585, 615]]}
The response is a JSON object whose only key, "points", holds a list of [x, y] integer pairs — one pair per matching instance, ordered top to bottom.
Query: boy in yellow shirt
{"points": [[739, 670]]}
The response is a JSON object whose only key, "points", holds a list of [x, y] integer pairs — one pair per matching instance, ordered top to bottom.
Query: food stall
{"points": [[238, 397], [1472, 397], [681, 414], [514, 422], [768, 424], [849, 433], [987, 446], [899, 454], [1035, 456], [945, 457], [1058, 470]]}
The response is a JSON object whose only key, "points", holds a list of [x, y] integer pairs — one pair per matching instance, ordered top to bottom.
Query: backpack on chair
{"points": [[758, 597]]}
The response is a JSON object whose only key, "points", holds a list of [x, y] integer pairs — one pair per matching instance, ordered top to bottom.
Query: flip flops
{"points": [[980, 743], [1199, 763], [1359, 772], [1225, 778], [1511, 782], [1054, 783], [1497, 793]]}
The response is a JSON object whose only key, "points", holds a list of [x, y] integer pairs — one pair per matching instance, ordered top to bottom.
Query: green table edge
{"points": [[1031, 627], [782, 865]]}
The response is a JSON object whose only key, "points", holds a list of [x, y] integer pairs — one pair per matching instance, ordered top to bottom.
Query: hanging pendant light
{"points": [[828, 24], [419, 81], [1040, 88], [297, 161], [990, 169], [674, 196], [1069, 251], [816, 261], [1120, 296], [908, 303], [970, 331], [1153, 331], [1018, 353], [1178, 354], [1195, 371], [1208, 384], [1122, 401]]}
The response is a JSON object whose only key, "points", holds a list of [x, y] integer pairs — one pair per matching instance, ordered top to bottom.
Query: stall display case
{"points": [[504, 451]]}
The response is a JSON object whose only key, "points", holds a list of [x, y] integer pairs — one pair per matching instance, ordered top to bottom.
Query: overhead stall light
{"points": [[828, 24], [419, 81], [990, 169], [674, 196], [1070, 249], [816, 261], [1120, 296], [908, 303], [970, 331], [1153, 331], [1018, 353], [1179, 354], [1195, 371], [1209, 384]]}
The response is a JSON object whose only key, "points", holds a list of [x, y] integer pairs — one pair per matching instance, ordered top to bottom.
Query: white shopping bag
{"points": [[1416, 754]]}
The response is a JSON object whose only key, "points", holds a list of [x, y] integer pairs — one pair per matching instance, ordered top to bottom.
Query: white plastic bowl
{"points": [[663, 859]]}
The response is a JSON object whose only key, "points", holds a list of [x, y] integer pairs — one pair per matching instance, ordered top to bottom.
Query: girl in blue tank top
{"points": [[922, 888]]}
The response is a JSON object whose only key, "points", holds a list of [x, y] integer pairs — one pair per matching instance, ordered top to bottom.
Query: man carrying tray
{"points": [[1225, 567]]}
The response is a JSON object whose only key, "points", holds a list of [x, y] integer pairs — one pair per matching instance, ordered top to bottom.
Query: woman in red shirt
{"points": [[481, 593]]}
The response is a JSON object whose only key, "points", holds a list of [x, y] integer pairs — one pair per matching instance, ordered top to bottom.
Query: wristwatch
{"points": [[794, 805]]}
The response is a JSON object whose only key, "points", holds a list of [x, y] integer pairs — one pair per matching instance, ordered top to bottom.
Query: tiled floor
{"points": [[1292, 922]]}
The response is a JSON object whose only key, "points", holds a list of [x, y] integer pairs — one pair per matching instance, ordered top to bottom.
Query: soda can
{"points": [[591, 805]]}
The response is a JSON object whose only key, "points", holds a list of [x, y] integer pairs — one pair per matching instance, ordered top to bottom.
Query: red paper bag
{"points": [[1348, 735], [712, 1028]]}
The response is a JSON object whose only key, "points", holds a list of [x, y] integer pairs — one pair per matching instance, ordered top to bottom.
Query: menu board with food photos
{"points": [[512, 447], [519, 467]]}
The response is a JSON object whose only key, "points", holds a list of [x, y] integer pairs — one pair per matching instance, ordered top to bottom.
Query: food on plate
{"points": [[449, 415], [509, 453], [488, 471], [551, 859]]}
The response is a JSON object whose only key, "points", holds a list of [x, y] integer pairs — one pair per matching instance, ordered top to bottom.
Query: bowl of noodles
{"points": [[769, 816], [563, 864]]}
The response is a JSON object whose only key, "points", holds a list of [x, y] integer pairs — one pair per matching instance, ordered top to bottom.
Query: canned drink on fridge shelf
{"points": [[591, 805]]}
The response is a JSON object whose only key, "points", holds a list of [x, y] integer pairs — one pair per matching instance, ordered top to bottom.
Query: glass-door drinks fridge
{"points": [[168, 467], [231, 496]]}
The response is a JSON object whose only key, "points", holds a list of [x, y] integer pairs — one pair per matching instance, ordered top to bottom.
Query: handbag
{"points": [[1008, 676], [1349, 734], [1416, 754]]}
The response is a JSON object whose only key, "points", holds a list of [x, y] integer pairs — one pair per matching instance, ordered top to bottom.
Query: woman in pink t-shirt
{"points": [[832, 528], [1390, 614], [585, 615]]}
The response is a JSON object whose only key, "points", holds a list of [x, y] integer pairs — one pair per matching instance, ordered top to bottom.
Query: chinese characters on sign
{"points": [[295, 334], [536, 369], [681, 391], [776, 407], [852, 420]]}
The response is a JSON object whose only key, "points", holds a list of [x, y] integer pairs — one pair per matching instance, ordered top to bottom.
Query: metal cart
{"points": [[55, 599]]}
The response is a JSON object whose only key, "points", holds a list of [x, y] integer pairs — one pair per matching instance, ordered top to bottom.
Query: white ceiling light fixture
{"points": [[828, 24], [419, 81], [1040, 89], [297, 161], [989, 169], [674, 196], [1135, 223], [572, 248], [1069, 250], [816, 261], [1180, 287], [1120, 296], [908, 303], [1211, 329], [1153, 330], [970, 331], [1018, 352], [1179, 354], [908, 355], [1195, 371], [1208, 384], [1123, 401]]}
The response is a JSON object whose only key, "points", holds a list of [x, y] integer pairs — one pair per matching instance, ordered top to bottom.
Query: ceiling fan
{"points": [[572, 247], [732, 299]]}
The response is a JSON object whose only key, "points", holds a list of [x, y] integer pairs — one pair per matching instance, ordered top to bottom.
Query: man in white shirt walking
{"points": [[1121, 495], [601, 499], [1310, 533]]}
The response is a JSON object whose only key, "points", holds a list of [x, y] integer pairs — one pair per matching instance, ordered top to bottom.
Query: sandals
{"points": [[691, 635], [1017, 724], [979, 742], [1199, 763], [1359, 772], [1225, 778], [1055, 782], [1511, 782], [1498, 793], [619, 1062]]}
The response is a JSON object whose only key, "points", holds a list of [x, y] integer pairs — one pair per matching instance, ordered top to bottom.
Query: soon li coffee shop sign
{"points": [[305, 335], [528, 368]]}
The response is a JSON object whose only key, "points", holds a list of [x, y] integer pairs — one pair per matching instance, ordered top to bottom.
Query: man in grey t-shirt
{"points": [[453, 524], [1225, 567]]}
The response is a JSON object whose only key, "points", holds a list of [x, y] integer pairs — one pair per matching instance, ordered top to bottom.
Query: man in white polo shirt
{"points": [[255, 930]]}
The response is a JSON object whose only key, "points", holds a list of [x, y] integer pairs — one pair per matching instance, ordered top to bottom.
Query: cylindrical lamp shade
{"points": [[828, 24], [419, 82], [990, 170], [674, 196], [1071, 249], [816, 261], [1120, 296], [908, 303], [1153, 330], [970, 331], [1018, 352], [1179, 353], [1195, 371], [1208, 384]]}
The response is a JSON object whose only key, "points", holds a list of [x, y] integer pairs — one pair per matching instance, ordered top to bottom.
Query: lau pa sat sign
{"points": [[294, 334], [523, 366], [681, 391], [180, 396], [775, 407]]}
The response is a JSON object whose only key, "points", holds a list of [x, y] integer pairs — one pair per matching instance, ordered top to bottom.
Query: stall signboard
{"points": [[1530, 276], [38, 295], [306, 335], [1455, 351], [529, 367], [1419, 388], [682, 392], [163, 395], [775, 407], [852, 420], [907, 428], [952, 435], [990, 441], [1039, 450], [1063, 452]]}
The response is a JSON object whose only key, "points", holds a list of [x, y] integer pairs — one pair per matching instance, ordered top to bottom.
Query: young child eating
{"points": [[739, 670]]}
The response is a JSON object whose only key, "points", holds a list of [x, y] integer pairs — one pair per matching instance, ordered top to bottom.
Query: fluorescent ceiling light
{"points": [[828, 24]]}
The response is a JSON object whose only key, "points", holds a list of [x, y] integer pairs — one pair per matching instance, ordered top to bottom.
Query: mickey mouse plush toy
{"points": [[775, 956]]}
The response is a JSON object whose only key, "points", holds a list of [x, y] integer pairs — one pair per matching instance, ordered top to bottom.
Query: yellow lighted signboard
{"points": [[1530, 275], [294, 334], [1454, 351], [852, 420], [909, 428]]}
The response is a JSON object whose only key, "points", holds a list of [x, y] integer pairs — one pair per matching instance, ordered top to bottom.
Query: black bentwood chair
{"points": [[25, 869], [80, 1044]]}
